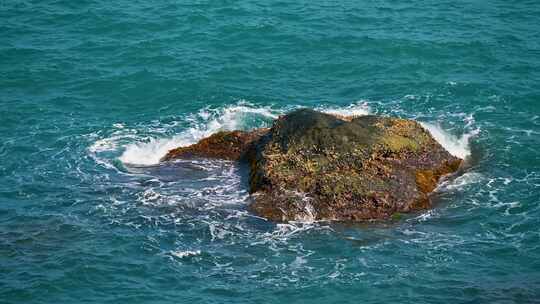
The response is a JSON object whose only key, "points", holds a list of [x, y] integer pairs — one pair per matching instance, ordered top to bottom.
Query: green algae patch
{"points": [[397, 216]]}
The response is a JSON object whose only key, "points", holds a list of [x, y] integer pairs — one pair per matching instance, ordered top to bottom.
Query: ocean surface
{"points": [[93, 93]]}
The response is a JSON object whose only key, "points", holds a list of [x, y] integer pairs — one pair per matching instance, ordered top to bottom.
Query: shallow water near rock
{"points": [[94, 94]]}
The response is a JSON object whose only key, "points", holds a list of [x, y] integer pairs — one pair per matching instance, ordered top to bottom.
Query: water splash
{"points": [[359, 108], [206, 122], [457, 146], [134, 149], [183, 254]]}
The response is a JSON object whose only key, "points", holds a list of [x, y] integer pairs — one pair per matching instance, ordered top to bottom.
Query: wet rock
{"points": [[316, 166]]}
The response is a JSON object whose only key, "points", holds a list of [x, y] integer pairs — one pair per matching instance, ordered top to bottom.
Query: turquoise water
{"points": [[93, 93]]}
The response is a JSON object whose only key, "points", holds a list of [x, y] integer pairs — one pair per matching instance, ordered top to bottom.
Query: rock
{"points": [[230, 145], [316, 166]]}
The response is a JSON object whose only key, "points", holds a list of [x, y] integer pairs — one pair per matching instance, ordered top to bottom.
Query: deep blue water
{"points": [[93, 93]]}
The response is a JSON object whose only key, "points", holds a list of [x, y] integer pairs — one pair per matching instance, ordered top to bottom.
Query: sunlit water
{"points": [[93, 94]]}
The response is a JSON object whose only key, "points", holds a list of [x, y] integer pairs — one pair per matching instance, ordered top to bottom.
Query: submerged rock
{"points": [[316, 166]]}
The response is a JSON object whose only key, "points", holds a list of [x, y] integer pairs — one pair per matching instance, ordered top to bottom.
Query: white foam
{"points": [[359, 108], [205, 123], [105, 144], [457, 146], [148, 150], [462, 181], [308, 214], [183, 254]]}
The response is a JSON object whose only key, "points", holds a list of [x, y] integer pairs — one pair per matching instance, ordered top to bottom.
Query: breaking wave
{"points": [[356, 109], [203, 124], [458, 146], [138, 150]]}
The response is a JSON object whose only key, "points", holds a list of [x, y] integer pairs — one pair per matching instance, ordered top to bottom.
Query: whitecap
{"points": [[360, 108], [242, 116], [457, 146], [151, 151], [461, 181], [183, 254]]}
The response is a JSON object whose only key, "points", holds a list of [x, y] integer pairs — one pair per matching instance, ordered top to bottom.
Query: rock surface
{"points": [[316, 166]]}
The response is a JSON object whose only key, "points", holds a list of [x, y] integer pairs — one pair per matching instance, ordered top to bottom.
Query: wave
{"points": [[359, 108], [206, 122], [457, 146], [140, 150], [149, 153], [460, 182], [184, 254]]}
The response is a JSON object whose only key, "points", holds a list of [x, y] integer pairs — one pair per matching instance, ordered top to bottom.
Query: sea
{"points": [[93, 93]]}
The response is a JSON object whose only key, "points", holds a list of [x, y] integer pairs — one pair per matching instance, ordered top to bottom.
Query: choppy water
{"points": [[93, 93]]}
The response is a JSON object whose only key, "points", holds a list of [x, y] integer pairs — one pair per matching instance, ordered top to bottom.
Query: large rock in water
{"points": [[316, 166]]}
